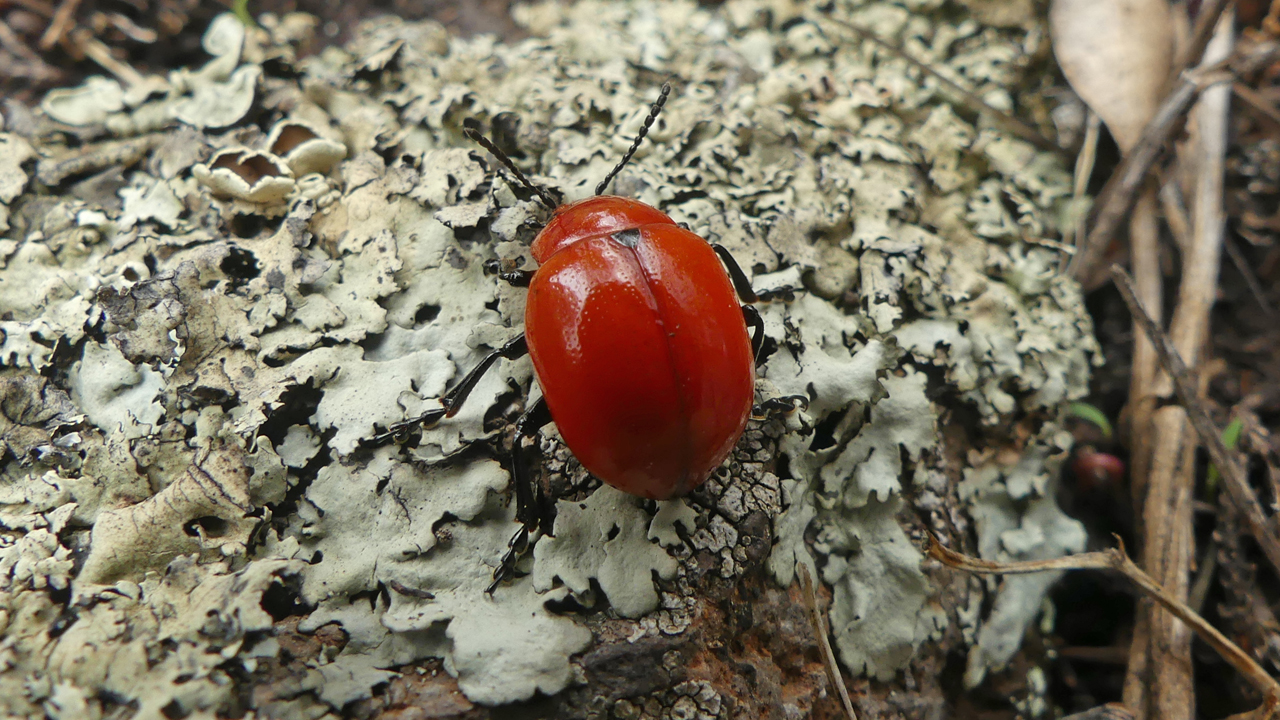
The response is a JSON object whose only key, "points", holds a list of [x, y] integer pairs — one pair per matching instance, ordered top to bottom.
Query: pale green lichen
{"points": [[218, 367], [605, 537]]}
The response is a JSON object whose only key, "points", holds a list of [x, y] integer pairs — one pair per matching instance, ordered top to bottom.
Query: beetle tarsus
{"points": [[507, 273], [517, 278], [785, 293], [785, 405], [400, 432], [527, 490], [517, 546]]}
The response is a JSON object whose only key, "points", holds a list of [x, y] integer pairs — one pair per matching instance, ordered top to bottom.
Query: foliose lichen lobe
{"points": [[214, 286]]}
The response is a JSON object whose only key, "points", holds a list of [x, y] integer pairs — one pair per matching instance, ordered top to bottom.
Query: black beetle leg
{"points": [[514, 278], [517, 278], [740, 282], [743, 286], [786, 293], [756, 323], [452, 401], [779, 406], [535, 509]]}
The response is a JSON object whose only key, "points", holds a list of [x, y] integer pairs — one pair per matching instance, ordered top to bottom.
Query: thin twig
{"points": [[39, 7], [62, 21], [1271, 23], [130, 29], [1202, 34], [12, 42], [95, 50], [970, 100], [1254, 100], [1088, 154], [1085, 160], [1120, 192], [1118, 195], [1175, 214], [1250, 279], [1210, 435], [1169, 542], [1116, 559], [1204, 577], [820, 630]]}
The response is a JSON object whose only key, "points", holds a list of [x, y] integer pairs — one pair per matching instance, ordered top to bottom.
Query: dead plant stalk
{"points": [[1210, 436], [1116, 559]]}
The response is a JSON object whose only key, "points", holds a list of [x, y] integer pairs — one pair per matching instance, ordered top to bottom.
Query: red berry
{"points": [[1096, 470]]}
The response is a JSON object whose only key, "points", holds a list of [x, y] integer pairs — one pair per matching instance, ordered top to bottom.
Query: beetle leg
{"points": [[517, 278], [740, 282], [743, 286], [786, 292], [756, 323], [452, 401], [779, 406], [531, 501], [535, 510]]}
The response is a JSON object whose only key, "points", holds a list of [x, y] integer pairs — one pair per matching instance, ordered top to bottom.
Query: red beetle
{"points": [[638, 341]]}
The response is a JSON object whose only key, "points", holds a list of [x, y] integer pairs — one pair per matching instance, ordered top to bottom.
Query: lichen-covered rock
{"points": [[202, 320]]}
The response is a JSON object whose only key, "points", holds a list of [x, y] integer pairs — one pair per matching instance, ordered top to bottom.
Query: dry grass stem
{"points": [[39, 7], [62, 21], [95, 50], [1261, 107], [1088, 156], [1118, 196], [1175, 214], [1074, 236], [1144, 244], [1250, 277], [1260, 527], [1168, 544], [1116, 559], [1204, 577], [820, 630]]}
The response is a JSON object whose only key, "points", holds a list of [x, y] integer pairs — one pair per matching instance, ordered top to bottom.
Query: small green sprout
{"points": [[241, 10], [1093, 415], [1230, 438]]}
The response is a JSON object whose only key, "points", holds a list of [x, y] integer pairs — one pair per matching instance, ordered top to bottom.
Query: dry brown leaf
{"points": [[1117, 55]]}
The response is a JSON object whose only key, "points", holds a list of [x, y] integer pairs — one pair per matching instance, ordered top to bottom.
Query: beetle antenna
{"points": [[644, 130], [487, 144]]}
